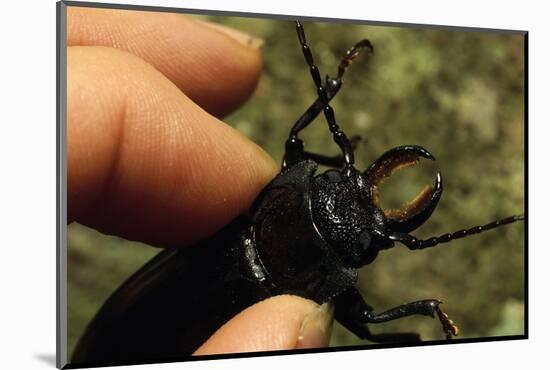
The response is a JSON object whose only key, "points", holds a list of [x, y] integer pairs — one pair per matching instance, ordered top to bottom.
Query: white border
{"points": [[27, 306]]}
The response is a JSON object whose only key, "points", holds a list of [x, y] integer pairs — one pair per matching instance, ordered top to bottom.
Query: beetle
{"points": [[324, 226]]}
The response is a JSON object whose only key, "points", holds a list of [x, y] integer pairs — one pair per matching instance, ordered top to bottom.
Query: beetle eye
{"points": [[415, 212], [364, 241], [365, 248]]}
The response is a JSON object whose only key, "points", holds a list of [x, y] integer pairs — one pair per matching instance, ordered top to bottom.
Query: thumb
{"points": [[277, 323]]}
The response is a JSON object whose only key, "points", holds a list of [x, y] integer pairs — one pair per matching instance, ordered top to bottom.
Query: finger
{"points": [[216, 67], [145, 162], [278, 323]]}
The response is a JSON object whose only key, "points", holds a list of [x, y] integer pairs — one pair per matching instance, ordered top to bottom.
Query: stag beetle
{"points": [[307, 234]]}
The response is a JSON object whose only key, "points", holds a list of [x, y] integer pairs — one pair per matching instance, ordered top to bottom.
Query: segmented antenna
{"points": [[413, 243]]}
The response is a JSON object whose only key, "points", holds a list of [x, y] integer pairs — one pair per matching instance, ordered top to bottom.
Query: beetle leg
{"points": [[351, 54], [331, 87], [314, 109], [338, 135], [294, 147], [336, 161], [426, 307], [350, 308], [353, 313], [449, 327], [362, 331]]}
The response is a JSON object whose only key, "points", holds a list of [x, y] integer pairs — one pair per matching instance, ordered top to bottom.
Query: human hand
{"points": [[148, 160]]}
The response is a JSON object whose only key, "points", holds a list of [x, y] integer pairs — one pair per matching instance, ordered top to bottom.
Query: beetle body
{"points": [[307, 234], [172, 304], [146, 318]]}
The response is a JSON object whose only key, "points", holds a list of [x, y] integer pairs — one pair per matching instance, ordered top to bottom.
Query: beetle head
{"points": [[347, 210], [346, 217]]}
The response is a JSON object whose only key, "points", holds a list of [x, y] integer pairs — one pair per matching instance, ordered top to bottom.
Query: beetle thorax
{"points": [[345, 216]]}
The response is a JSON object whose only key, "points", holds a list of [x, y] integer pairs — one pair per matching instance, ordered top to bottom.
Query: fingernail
{"points": [[239, 36], [317, 327]]}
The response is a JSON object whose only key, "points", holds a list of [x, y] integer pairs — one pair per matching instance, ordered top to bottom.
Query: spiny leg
{"points": [[354, 313]]}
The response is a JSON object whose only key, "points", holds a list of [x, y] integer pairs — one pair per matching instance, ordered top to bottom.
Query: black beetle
{"points": [[323, 226]]}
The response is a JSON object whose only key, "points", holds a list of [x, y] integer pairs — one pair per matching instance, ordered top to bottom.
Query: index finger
{"points": [[146, 163]]}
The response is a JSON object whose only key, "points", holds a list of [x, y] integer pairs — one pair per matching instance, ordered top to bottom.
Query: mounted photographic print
{"points": [[240, 185]]}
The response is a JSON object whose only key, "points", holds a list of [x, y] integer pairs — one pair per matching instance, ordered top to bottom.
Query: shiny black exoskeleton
{"points": [[307, 234]]}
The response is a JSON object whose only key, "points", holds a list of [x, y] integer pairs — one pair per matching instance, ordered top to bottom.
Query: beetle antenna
{"points": [[351, 54], [338, 135], [413, 243]]}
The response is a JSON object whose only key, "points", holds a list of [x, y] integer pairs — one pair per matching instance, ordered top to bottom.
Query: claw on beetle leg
{"points": [[448, 325]]}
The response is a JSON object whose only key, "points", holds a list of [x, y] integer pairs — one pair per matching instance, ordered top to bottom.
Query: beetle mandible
{"points": [[323, 226]]}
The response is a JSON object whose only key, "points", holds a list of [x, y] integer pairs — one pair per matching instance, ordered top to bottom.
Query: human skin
{"points": [[150, 160]]}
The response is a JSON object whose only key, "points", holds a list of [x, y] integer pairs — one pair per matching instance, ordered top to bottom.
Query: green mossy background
{"points": [[459, 94]]}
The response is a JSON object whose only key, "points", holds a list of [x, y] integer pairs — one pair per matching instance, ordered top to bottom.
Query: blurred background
{"points": [[460, 94]]}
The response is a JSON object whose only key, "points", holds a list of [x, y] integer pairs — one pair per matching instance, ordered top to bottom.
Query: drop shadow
{"points": [[47, 358]]}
